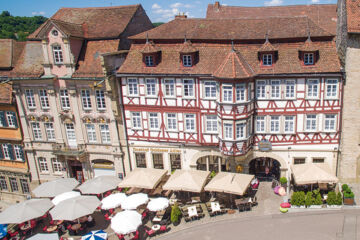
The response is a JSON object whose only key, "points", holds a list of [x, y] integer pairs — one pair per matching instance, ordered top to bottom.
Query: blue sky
{"points": [[157, 10]]}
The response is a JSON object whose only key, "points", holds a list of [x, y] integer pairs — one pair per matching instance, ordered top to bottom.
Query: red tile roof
{"points": [[323, 15], [353, 16], [97, 22], [226, 29], [267, 47], [150, 48], [188, 48], [9, 51], [89, 64], [234, 66], [5, 93]]}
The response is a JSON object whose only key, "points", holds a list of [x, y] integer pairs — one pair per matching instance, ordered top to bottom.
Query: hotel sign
{"points": [[264, 145], [157, 150]]}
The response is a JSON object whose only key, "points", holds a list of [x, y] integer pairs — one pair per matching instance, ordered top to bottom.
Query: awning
{"points": [[313, 173], [146, 178], [187, 180], [234, 183]]}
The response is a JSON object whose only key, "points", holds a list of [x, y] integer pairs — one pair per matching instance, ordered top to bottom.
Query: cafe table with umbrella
{"points": [[99, 185], [56, 187], [63, 196], [134, 200], [113, 201], [158, 204], [74, 208], [25, 211], [126, 222], [95, 235]]}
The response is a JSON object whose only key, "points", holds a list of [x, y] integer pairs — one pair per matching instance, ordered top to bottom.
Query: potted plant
{"points": [[283, 182], [344, 187], [348, 197], [301, 199], [309, 199], [331, 199], [339, 199], [298, 200], [317, 201], [175, 214]]}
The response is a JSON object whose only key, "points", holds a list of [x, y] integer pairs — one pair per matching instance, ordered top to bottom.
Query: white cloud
{"points": [[315, 1], [273, 3], [178, 5], [155, 6], [38, 13], [168, 14]]}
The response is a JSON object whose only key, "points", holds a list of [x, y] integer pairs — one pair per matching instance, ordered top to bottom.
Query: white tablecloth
{"points": [[192, 211]]}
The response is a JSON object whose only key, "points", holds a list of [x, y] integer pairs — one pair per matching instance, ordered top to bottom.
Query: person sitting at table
{"points": [[90, 221]]}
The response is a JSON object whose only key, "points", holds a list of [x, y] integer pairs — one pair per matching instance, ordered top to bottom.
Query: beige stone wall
{"points": [[350, 140]]}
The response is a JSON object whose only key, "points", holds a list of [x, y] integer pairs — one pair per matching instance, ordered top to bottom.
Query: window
{"points": [[54, 32], [58, 57], [309, 58], [267, 59], [187, 60], [149, 61], [133, 87], [151, 87], [169, 87], [188, 88], [275, 88], [312, 88], [331, 88], [210, 89], [260, 89], [290, 89], [240, 92], [227, 93], [85, 98], [30, 99], [64, 99], [100, 99], [44, 100], [11, 119], [136, 120], [154, 120], [171, 121], [190, 122], [310, 122], [330, 122], [211, 123], [260, 124], [275, 124], [289, 124], [240, 130], [36, 131], [228, 131], [50, 132], [70, 133], [91, 133], [105, 133], [6, 151], [19, 154], [140, 160], [158, 160], [299, 160], [318, 160], [175, 161], [43, 165], [57, 167], [3, 184], [13, 184], [25, 186]]}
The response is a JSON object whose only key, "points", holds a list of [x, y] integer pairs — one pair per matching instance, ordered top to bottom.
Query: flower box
{"points": [[349, 201]]}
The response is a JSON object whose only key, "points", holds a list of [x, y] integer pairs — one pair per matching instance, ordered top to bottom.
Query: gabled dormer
{"points": [[308, 53], [151, 54], [267, 54], [189, 55]]}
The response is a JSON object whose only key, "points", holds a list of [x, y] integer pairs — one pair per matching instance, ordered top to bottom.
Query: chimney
{"points": [[217, 5], [180, 16]]}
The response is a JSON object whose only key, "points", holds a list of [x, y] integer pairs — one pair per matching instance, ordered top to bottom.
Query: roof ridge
{"points": [[120, 6], [282, 6], [56, 20]]}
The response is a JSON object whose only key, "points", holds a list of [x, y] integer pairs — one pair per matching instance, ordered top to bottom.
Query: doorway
{"points": [[265, 169], [76, 171]]}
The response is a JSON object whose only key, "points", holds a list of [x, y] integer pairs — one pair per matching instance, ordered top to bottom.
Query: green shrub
{"points": [[212, 174], [283, 180], [344, 187], [349, 194], [301, 198], [317, 198], [294, 199], [331, 199], [339, 199], [309, 200], [175, 213]]}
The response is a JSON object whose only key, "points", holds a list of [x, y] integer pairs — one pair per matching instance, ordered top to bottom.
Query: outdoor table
{"points": [[195, 199], [215, 206], [192, 211], [157, 219], [25, 227], [76, 227], [155, 227], [51, 228]]}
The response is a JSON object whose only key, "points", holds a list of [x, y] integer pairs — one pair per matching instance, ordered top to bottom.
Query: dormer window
{"points": [[55, 33], [58, 57], [308, 58], [267, 59], [187, 60], [149, 61]]}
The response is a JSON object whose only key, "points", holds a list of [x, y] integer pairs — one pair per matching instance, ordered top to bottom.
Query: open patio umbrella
{"points": [[312, 173], [147, 178], [187, 180], [99, 185], [56, 187], [63, 196], [113, 200], [135, 200], [158, 204], [73, 208], [25, 211], [126, 222], [3, 230], [95, 235], [47, 236]]}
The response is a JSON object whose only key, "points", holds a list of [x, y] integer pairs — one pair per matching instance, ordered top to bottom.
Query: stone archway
{"points": [[194, 159]]}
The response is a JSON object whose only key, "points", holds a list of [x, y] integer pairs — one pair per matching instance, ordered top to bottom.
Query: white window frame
{"points": [[57, 54], [309, 58], [267, 59], [187, 60], [149, 61], [132, 87], [169, 87], [331, 87], [188, 88], [312, 88], [151, 89], [210, 89], [260, 89], [275, 89], [290, 89], [227, 91], [240, 92], [30, 98], [44, 99], [64, 99], [86, 99], [100, 99], [11, 118], [136, 120], [154, 121], [171, 121], [330, 121], [190, 122], [311, 123], [211, 124], [260, 124], [274, 124], [289, 124], [240, 130], [36, 131], [50, 131], [228, 131], [91, 132], [105, 133], [70, 134], [6, 151], [17, 151], [43, 165], [57, 165], [3, 184], [14, 184], [25, 186]]}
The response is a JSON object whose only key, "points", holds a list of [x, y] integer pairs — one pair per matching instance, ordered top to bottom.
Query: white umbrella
{"points": [[99, 185], [56, 187], [66, 195], [135, 200], [113, 201], [158, 204], [74, 208], [25, 211], [126, 222], [95, 235], [47, 236]]}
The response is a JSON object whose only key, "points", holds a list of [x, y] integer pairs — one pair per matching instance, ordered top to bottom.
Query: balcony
{"points": [[66, 150]]}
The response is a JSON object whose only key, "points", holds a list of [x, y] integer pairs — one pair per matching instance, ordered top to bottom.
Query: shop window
{"points": [[140, 160], [158, 160], [175, 161]]}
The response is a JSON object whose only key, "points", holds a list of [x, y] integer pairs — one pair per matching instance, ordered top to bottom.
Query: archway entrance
{"points": [[212, 163], [103, 167], [265, 168]]}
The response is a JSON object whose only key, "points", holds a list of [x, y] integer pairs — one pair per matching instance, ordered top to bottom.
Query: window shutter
{"points": [[3, 119], [15, 120], [1, 152], [11, 152], [22, 153]]}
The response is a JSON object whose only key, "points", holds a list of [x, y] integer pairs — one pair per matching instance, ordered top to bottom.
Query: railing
{"points": [[64, 149]]}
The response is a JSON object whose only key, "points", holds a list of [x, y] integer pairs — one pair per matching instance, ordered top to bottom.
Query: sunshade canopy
{"points": [[313, 173], [146, 178], [187, 180], [233, 183], [99, 185], [56, 187], [63, 196], [113, 200], [134, 200], [158, 204], [25, 211], [126, 222], [95, 235], [47, 236]]}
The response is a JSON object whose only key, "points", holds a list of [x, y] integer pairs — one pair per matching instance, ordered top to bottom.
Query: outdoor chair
{"points": [[107, 217], [187, 219], [164, 228], [71, 232], [150, 232], [120, 236], [136, 236]]}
